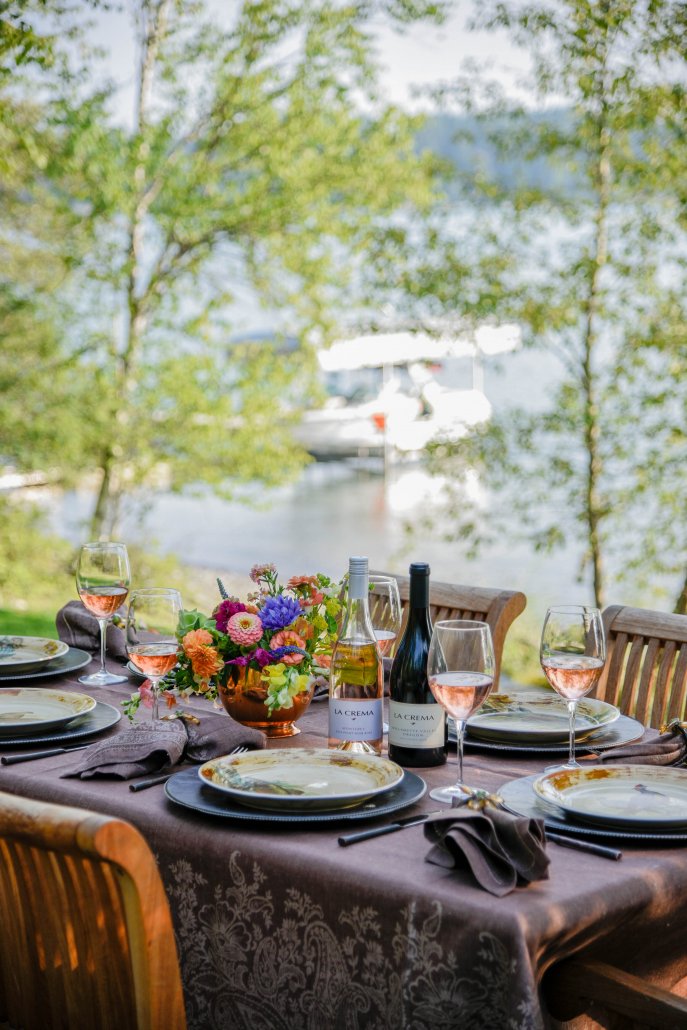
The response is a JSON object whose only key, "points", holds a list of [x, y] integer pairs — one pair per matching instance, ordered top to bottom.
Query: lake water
{"points": [[338, 509]]}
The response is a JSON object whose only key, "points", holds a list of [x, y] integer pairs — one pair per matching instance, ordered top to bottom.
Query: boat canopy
{"points": [[378, 349]]}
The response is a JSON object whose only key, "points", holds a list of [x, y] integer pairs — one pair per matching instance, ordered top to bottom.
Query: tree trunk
{"points": [[153, 28], [593, 505], [681, 603]]}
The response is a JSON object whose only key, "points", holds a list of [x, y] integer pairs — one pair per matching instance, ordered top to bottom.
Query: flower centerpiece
{"points": [[257, 656]]}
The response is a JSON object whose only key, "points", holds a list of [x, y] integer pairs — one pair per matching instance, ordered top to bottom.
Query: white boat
{"points": [[384, 397]]}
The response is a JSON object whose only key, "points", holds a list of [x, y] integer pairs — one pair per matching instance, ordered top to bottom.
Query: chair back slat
{"points": [[498, 608], [646, 671], [664, 681], [646, 695], [678, 703], [87, 933]]}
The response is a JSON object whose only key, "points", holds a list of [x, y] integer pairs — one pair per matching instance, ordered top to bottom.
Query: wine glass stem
{"points": [[103, 636], [155, 692], [572, 705], [460, 735]]}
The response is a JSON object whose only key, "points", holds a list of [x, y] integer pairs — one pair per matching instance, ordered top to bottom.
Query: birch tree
{"points": [[261, 156], [596, 263]]}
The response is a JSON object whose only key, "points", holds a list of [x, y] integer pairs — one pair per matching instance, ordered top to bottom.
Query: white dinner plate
{"points": [[18, 654], [38, 709], [537, 718], [301, 779], [621, 795]]}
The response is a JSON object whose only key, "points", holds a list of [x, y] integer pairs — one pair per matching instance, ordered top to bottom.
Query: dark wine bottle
{"points": [[418, 731]]}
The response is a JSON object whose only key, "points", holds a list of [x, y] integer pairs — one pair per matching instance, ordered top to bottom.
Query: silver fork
{"points": [[153, 781]]}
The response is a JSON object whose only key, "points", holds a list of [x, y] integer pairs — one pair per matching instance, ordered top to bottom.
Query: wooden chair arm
{"points": [[571, 986]]}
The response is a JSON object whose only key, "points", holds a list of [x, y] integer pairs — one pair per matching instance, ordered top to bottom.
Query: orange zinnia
{"points": [[205, 661]]}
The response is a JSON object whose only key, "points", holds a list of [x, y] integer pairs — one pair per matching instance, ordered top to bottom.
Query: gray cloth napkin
{"points": [[77, 627], [151, 747], [668, 748], [500, 850]]}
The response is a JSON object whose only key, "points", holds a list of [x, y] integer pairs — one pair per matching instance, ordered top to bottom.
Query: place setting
{"points": [[29, 658], [39, 716], [632, 789]]}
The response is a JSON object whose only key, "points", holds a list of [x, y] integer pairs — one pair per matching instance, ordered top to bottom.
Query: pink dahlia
{"points": [[244, 628]]}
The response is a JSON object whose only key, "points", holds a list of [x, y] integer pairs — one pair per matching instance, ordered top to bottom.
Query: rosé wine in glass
{"points": [[102, 582], [386, 639], [151, 640], [572, 655], [460, 672], [461, 693]]}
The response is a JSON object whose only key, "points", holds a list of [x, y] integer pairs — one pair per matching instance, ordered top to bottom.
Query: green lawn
{"points": [[27, 624]]}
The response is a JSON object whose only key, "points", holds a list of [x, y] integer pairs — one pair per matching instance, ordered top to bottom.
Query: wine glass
{"points": [[102, 581], [385, 612], [151, 640], [572, 655], [460, 670]]}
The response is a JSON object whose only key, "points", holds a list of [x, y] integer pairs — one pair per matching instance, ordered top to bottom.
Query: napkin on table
{"points": [[77, 627], [153, 746], [669, 748], [501, 850]]}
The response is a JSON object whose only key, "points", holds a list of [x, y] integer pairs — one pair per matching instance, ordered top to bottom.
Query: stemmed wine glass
{"points": [[102, 581], [385, 612], [151, 640], [572, 655], [460, 670]]}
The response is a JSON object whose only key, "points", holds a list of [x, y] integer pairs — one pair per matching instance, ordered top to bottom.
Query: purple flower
{"points": [[224, 611], [279, 611], [279, 652], [262, 657], [241, 660]]}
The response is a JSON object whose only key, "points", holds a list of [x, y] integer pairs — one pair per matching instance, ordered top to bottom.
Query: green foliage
{"points": [[261, 157], [596, 276]]}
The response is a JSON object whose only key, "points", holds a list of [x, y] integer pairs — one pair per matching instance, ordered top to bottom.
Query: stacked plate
{"points": [[24, 658], [26, 711], [539, 723], [297, 785], [623, 796], [629, 802]]}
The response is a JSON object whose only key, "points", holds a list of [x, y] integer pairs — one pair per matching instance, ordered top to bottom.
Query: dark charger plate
{"points": [[70, 661], [101, 718], [623, 731], [186, 789], [519, 797]]}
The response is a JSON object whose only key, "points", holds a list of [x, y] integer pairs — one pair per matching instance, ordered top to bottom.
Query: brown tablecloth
{"points": [[278, 927]]}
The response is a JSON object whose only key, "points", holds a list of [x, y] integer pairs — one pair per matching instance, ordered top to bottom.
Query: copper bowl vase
{"points": [[243, 697]]}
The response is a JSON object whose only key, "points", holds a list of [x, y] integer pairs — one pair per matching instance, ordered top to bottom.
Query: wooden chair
{"points": [[498, 608], [646, 668], [646, 677], [87, 934], [576, 986]]}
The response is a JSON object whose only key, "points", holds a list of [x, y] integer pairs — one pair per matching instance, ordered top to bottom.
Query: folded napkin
{"points": [[79, 628], [150, 747], [668, 748], [501, 850]]}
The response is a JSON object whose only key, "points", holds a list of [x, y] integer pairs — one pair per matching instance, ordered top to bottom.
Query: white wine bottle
{"points": [[355, 683], [417, 724]]}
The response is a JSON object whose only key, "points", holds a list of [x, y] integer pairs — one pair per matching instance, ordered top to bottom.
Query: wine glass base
{"points": [[102, 679], [561, 767], [447, 794]]}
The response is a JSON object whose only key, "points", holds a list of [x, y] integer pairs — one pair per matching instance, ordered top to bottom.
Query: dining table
{"points": [[279, 927]]}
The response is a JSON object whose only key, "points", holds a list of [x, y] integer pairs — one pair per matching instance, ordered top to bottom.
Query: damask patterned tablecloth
{"points": [[280, 928]]}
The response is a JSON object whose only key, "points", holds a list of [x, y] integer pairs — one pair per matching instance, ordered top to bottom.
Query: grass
{"points": [[27, 624]]}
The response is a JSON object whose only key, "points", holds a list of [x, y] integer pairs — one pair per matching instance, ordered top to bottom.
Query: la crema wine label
{"points": [[355, 719], [416, 725]]}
